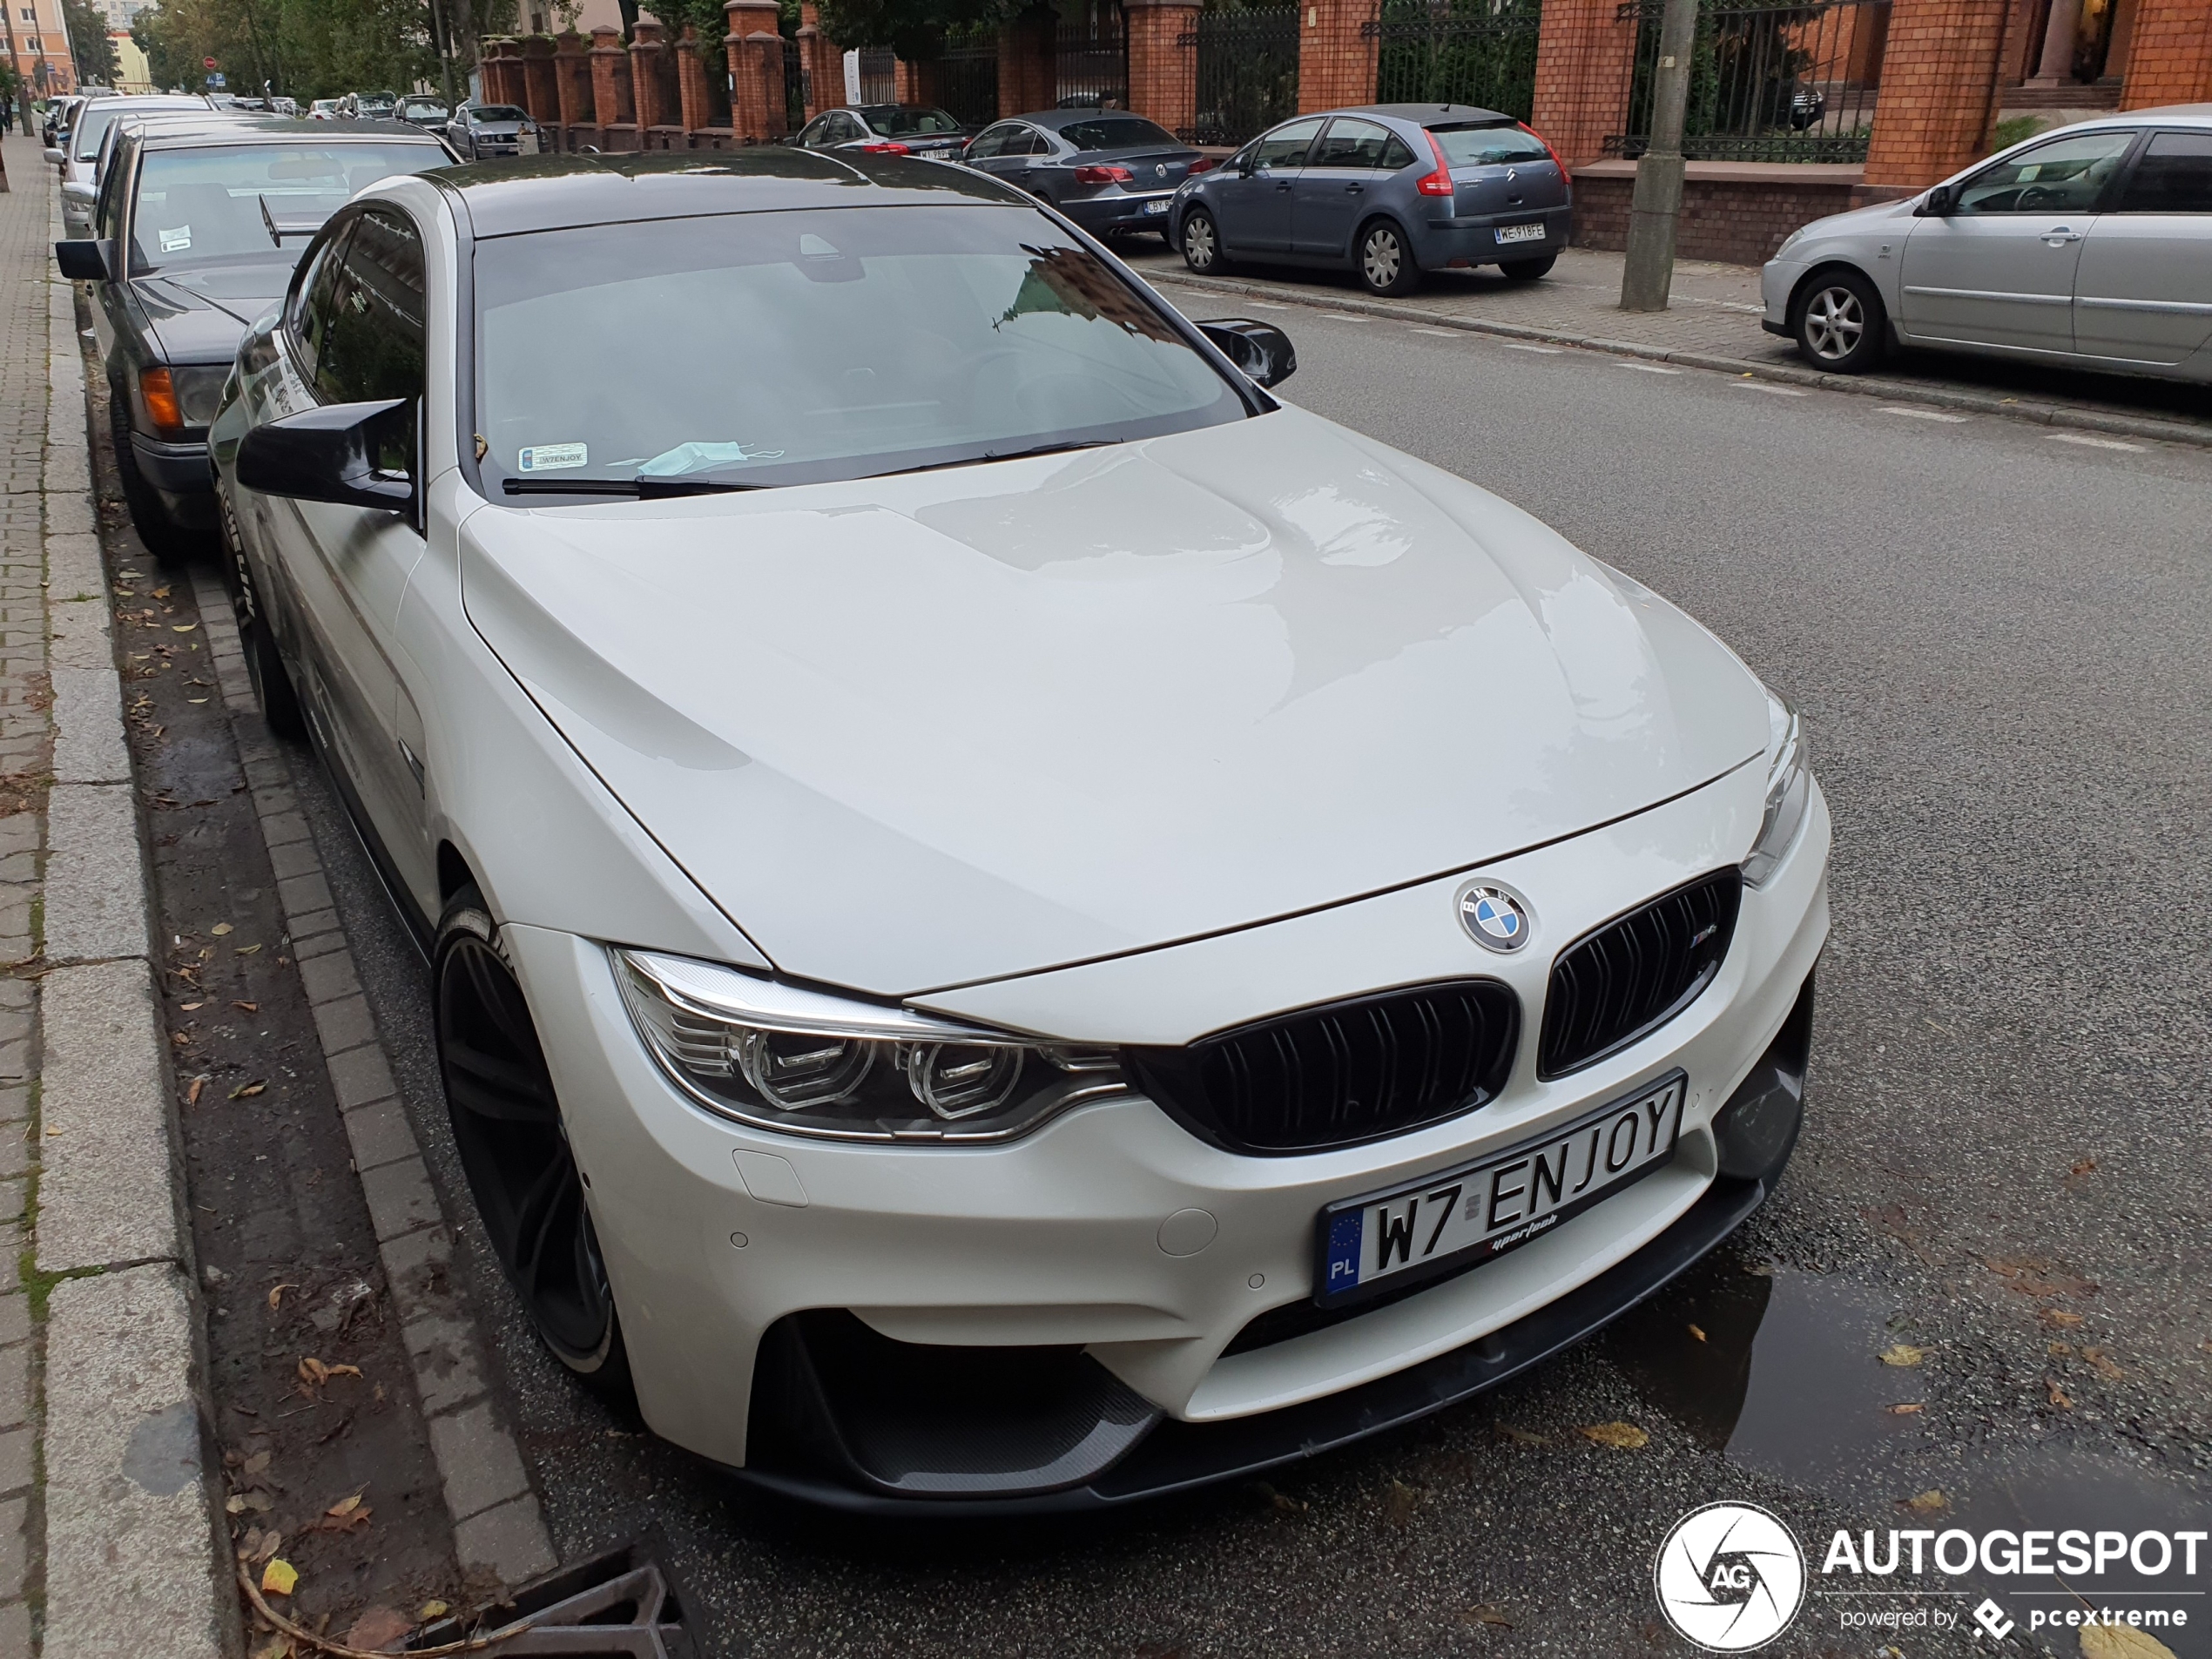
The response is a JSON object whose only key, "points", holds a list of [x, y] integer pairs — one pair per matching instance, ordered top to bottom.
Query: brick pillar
{"points": [[646, 45], [755, 48], [1584, 52], [2169, 54], [1164, 62], [1336, 62], [823, 63], [1028, 63], [499, 66], [572, 79], [690, 81], [916, 83], [541, 87], [1939, 91], [611, 103]]}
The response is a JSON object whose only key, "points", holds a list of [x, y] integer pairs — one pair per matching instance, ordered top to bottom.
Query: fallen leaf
{"points": [[161, 593], [182, 627], [219, 929], [245, 950], [192, 1007], [251, 1007], [246, 1091], [191, 1094], [2083, 1166], [276, 1294], [2061, 1317], [1695, 1331], [2059, 1348], [1902, 1354], [2102, 1362], [313, 1371], [2059, 1398], [1910, 1408], [1519, 1436], [1622, 1437], [255, 1464], [1928, 1502], [1399, 1503], [235, 1504], [345, 1506], [346, 1522], [270, 1540], [248, 1544], [279, 1577], [433, 1610], [1484, 1613], [380, 1627], [2121, 1642], [280, 1648]]}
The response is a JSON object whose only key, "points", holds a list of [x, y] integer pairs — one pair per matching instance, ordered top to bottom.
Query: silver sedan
{"points": [[2090, 246]]}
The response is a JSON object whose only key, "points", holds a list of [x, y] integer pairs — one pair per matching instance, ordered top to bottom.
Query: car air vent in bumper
{"points": [[1629, 977], [1342, 1073]]}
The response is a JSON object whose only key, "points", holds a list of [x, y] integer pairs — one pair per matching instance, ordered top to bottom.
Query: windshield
{"points": [[484, 112], [98, 120], [895, 123], [1115, 132], [1489, 147], [204, 206], [815, 346]]}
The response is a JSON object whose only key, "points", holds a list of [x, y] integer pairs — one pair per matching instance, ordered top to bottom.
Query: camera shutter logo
{"points": [[1730, 1577]]}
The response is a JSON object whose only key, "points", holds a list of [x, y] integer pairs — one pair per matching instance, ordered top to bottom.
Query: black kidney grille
{"points": [[1636, 973], [1342, 1073]]}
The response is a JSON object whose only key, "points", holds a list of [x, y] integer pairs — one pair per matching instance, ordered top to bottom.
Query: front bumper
{"points": [[1127, 211], [1438, 243], [180, 474], [1037, 1275]]}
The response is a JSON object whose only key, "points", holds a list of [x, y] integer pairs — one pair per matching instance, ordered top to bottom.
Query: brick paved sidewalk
{"points": [[1714, 315]]}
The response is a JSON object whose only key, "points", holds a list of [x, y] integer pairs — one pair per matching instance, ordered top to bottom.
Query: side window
{"points": [[843, 128], [811, 136], [1025, 141], [991, 142], [1353, 144], [1286, 146], [1397, 153], [2172, 175], [2065, 176], [107, 215], [309, 322], [372, 343]]}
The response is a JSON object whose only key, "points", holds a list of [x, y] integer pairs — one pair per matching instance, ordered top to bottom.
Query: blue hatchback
{"points": [[1388, 189]]}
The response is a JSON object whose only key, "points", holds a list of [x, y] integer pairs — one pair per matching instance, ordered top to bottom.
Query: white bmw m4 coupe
{"points": [[1017, 924]]}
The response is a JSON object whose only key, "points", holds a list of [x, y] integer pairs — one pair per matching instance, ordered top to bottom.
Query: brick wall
{"points": [[2170, 54], [1582, 58], [1028, 61], [1336, 65], [1163, 74], [1939, 85], [1734, 212]]}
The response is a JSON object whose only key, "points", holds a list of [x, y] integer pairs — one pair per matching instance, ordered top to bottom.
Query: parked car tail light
{"points": [[1547, 142], [886, 147], [1203, 164], [1103, 175], [1439, 182]]}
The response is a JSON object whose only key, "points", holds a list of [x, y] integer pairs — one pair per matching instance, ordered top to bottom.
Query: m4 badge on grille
{"points": [[1496, 917]]}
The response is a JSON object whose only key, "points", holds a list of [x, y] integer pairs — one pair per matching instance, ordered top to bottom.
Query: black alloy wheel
{"points": [[1201, 249], [1384, 263], [1529, 270], [1839, 322], [169, 541], [273, 687], [507, 1127]]}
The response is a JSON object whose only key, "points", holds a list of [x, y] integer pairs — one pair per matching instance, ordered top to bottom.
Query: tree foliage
{"points": [[913, 29], [88, 43], [312, 49]]}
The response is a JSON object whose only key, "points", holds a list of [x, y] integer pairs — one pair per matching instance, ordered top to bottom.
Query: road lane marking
{"points": [[1266, 305], [1345, 316], [1448, 334], [1522, 345], [1649, 368], [1776, 391], [1924, 414], [2093, 443]]}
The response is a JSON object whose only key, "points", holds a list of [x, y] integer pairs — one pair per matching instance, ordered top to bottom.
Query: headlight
{"points": [[1791, 241], [179, 398], [1789, 790], [806, 1063]]}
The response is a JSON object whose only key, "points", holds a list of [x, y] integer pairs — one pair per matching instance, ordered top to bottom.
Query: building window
{"points": [[31, 14], [33, 45]]}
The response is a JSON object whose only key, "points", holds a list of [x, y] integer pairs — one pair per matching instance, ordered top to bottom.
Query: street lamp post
{"points": [[1648, 271]]}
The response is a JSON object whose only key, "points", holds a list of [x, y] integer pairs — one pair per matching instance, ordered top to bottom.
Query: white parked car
{"points": [[2090, 246], [1013, 920]]}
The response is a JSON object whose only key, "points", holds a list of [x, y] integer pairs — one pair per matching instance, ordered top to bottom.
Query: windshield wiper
{"points": [[1000, 454], [645, 488]]}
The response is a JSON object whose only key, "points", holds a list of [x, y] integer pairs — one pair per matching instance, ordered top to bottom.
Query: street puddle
{"points": [[1778, 1370]]}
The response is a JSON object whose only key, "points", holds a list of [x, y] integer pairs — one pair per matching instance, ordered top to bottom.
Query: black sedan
{"points": [[481, 130], [887, 130], [1109, 170], [195, 238]]}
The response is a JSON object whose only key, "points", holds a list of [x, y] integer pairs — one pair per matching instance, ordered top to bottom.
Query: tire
{"points": [[1201, 244], [1383, 261], [1528, 269], [1839, 322], [170, 542], [273, 687], [513, 1147]]}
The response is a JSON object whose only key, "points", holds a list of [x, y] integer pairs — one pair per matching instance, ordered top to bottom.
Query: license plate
{"points": [[1160, 206], [1520, 233], [1466, 1215]]}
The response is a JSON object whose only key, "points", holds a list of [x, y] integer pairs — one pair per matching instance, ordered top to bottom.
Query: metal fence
{"points": [[1092, 52], [1457, 52], [1247, 72], [968, 74], [879, 76], [1767, 81], [795, 87]]}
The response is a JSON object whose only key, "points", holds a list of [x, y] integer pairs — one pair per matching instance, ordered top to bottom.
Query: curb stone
{"points": [[1894, 391], [497, 1522], [135, 1552]]}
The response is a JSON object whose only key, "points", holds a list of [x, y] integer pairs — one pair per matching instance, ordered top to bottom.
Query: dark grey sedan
{"points": [[481, 130], [887, 130], [1109, 170], [1389, 191], [194, 236]]}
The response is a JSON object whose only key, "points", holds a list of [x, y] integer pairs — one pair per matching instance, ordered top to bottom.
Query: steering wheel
{"points": [[2037, 199]]}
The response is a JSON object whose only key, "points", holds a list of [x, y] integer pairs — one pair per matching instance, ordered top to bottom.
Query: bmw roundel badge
{"points": [[1496, 919]]}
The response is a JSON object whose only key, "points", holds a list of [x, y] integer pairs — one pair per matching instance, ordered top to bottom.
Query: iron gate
{"points": [[1481, 52], [1092, 55], [1247, 72], [968, 74], [879, 76], [1767, 81]]}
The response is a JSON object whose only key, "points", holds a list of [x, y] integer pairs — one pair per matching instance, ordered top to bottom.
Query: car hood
{"points": [[1859, 219], [197, 316], [922, 731]]}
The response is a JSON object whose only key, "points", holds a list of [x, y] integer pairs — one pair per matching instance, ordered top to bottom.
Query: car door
{"points": [[1333, 188], [1254, 207], [1998, 269], [2143, 293], [346, 567]]}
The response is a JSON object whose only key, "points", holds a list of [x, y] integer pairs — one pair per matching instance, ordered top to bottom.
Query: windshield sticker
{"points": [[178, 241], [545, 458]]}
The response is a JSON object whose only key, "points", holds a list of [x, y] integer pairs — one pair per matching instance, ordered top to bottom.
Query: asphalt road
{"points": [[1997, 636]]}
